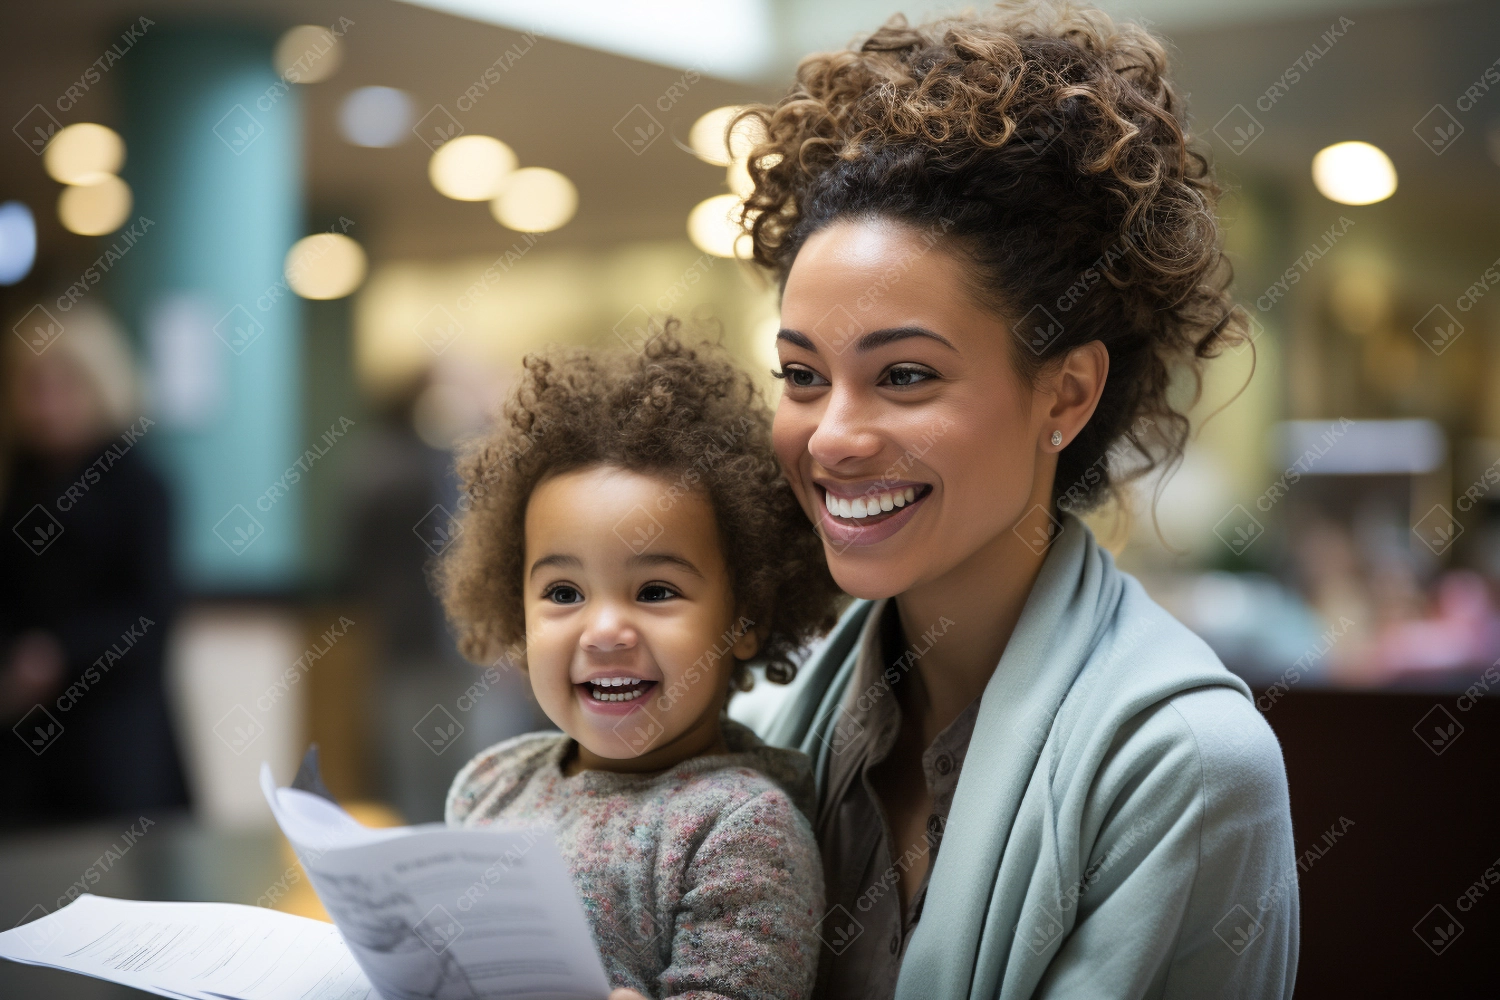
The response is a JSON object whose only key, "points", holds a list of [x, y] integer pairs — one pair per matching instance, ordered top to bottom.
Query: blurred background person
{"points": [[87, 595]]}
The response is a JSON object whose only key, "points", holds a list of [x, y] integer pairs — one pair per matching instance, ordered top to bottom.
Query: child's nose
{"points": [[608, 631]]}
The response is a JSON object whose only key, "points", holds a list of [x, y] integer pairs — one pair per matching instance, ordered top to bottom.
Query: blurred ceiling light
{"points": [[732, 39], [308, 53], [376, 116], [708, 140], [84, 154], [471, 167], [1354, 173], [738, 178], [535, 200], [94, 209], [713, 226], [17, 242], [325, 266]]}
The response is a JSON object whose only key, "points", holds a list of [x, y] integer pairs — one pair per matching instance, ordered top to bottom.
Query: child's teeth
{"points": [[637, 687]]}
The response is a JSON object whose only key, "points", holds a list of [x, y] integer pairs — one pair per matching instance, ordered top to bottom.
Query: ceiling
{"points": [[558, 105]]}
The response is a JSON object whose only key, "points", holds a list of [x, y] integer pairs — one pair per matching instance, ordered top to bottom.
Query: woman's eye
{"points": [[908, 376], [802, 378], [656, 592], [563, 594]]}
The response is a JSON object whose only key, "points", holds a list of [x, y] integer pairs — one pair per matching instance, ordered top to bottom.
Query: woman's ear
{"points": [[1072, 392]]}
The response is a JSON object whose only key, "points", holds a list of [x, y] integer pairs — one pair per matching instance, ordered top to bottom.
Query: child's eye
{"points": [[797, 375], [903, 375], [656, 592], [562, 593]]}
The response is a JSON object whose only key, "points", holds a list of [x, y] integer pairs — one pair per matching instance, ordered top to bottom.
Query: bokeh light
{"points": [[308, 53], [376, 116], [707, 138], [84, 153], [471, 167], [1354, 173], [738, 177], [535, 200], [95, 209], [713, 226], [17, 242], [325, 266]]}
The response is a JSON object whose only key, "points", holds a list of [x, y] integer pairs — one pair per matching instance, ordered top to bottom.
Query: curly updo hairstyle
{"points": [[1044, 146], [686, 414]]}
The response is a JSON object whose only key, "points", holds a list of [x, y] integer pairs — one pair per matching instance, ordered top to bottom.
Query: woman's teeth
{"points": [[866, 506], [617, 688]]}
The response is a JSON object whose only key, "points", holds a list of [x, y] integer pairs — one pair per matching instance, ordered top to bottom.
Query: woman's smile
{"points": [[863, 513]]}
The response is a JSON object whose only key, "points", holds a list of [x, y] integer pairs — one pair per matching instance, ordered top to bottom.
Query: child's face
{"points": [[631, 628]]}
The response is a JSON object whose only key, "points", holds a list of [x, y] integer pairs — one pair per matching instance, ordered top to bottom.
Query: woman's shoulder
{"points": [[1174, 708], [1212, 740], [1202, 758], [494, 772]]}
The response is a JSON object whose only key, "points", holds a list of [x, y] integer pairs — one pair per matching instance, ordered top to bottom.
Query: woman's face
{"points": [[901, 408]]}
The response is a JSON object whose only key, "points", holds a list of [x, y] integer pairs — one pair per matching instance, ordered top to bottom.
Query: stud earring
{"points": [[1056, 438]]}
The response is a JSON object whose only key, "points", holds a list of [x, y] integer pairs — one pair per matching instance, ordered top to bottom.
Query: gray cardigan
{"points": [[1121, 826], [701, 880]]}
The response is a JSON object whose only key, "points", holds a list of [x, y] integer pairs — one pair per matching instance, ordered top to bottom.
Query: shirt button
{"points": [[944, 764], [895, 942]]}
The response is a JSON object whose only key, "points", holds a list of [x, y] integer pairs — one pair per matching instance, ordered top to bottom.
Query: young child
{"points": [[631, 544]]}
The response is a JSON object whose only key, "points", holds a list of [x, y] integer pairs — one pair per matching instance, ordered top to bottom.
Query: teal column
{"points": [[213, 140]]}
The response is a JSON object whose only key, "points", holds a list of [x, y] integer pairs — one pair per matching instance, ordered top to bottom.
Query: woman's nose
{"points": [[844, 433]]}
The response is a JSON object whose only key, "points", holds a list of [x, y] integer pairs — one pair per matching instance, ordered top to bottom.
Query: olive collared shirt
{"points": [[865, 940]]}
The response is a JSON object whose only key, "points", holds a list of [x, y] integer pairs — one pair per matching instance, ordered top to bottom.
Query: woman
{"points": [[995, 247], [86, 588]]}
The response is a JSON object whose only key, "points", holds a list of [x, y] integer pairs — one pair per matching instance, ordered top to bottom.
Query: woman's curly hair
{"points": [[1045, 147], [686, 414]]}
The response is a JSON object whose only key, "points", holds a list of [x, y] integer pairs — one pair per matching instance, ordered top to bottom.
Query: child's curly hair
{"points": [[1045, 146], [684, 413]]}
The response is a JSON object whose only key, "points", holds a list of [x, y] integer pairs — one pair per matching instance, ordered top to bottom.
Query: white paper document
{"points": [[420, 913], [437, 914], [200, 950]]}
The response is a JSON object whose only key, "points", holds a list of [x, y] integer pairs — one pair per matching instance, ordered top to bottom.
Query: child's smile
{"points": [[627, 602], [608, 692]]}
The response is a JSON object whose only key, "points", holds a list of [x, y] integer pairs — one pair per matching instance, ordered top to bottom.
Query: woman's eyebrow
{"points": [[871, 340], [556, 559]]}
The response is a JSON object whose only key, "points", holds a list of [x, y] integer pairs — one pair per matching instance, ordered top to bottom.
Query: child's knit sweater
{"points": [[700, 881]]}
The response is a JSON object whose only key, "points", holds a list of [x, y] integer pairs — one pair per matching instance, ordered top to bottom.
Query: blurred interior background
{"points": [[262, 264]]}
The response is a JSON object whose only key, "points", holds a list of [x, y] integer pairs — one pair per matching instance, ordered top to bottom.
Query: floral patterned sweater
{"points": [[700, 881]]}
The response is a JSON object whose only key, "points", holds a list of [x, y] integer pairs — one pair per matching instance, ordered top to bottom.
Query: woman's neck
{"points": [[970, 613]]}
